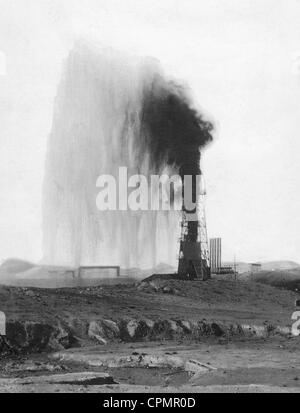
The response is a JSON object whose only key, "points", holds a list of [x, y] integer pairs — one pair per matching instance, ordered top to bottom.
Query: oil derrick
{"points": [[194, 250]]}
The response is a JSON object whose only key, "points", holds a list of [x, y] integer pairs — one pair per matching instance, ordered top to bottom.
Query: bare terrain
{"points": [[158, 298], [183, 336], [240, 366]]}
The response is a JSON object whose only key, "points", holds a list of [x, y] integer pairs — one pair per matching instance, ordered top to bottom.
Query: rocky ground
{"points": [[170, 334], [258, 365]]}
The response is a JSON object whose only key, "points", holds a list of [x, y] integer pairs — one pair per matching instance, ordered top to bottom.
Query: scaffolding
{"points": [[194, 247]]}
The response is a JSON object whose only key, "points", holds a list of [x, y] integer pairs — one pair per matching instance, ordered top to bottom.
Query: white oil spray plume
{"points": [[97, 128]]}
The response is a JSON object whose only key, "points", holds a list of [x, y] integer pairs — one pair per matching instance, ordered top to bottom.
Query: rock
{"points": [[142, 286], [147, 287], [29, 293], [149, 323], [186, 325], [80, 326], [132, 327], [174, 327], [111, 329], [144, 329], [203, 329], [135, 330], [165, 330], [217, 330], [236, 330], [103, 331], [96, 332], [36, 337], [61, 338]]}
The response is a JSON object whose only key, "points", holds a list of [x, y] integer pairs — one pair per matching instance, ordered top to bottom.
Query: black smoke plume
{"points": [[174, 131]]}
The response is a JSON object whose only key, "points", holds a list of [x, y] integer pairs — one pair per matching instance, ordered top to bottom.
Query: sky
{"points": [[241, 59]]}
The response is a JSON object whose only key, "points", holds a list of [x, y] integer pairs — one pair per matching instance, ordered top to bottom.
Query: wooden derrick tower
{"points": [[194, 248]]}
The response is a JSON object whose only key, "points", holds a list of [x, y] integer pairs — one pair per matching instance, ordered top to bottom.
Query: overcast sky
{"points": [[242, 61]]}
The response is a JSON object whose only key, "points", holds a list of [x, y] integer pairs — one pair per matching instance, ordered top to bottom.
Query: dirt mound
{"points": [[279, 265], [14, 266], [161, 277], [289, 280], [218, 292]]}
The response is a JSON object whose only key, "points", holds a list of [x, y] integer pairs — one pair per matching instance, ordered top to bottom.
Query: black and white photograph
{"points": [[149, 204]]}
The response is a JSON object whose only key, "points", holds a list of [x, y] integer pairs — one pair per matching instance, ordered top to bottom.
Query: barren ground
{"points": [[213, 300], [188, 358]]}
